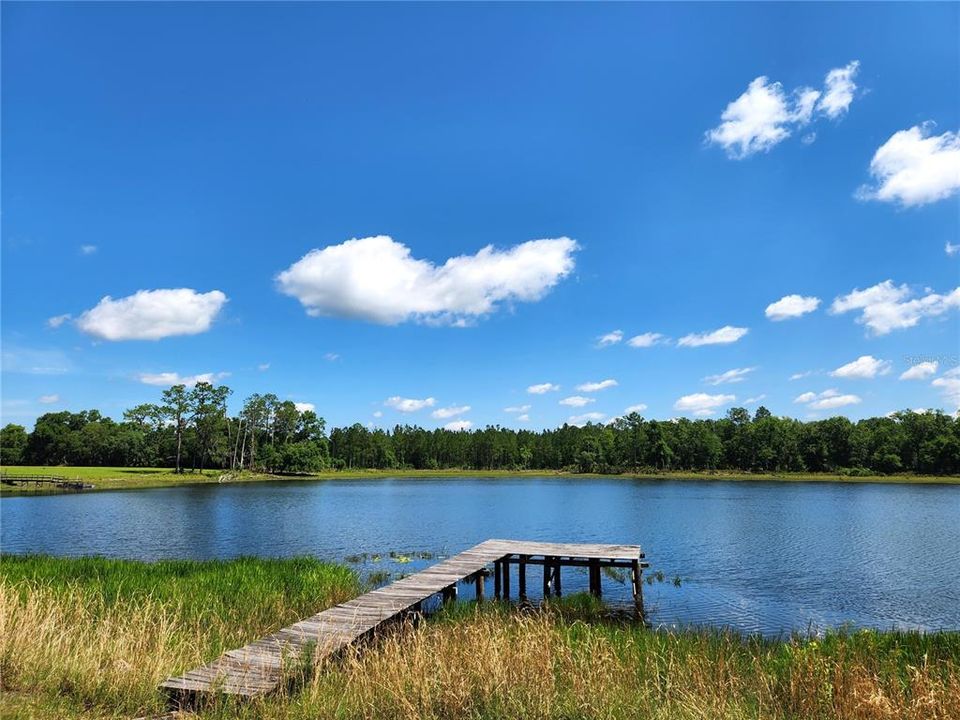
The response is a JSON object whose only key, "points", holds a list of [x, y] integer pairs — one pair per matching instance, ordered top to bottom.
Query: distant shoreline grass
{"points": [[110, 478], [87, 638]]}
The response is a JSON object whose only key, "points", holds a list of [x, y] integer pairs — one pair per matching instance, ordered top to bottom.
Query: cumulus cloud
{"points": [[839, 89], [765, 114], [915, 168], [88, 249], [951, 249], [377, 279], [791, 306], [885, 307], [153, 314], [58, 320], [722, 336], [611, 338], [644, 340], [865, 367], [920, 371], [801, 375], [730, 376], [167, 379], [597, 386], [949, 386], [542, 388], [49, 399], [754, 400], [826, 400], [577, 401], [702, 403], [407, 405], [305, 406], [638, 408], [517, 409], [449, 412], [378, 413], [523, 418], [581, 420], [458, 425]]}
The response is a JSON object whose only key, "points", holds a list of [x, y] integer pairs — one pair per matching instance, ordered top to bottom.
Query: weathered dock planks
{"points": [[262, 666]]}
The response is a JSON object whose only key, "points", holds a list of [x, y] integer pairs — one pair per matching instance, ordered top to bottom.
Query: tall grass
{"points": [[104, 633], [92, 638]]}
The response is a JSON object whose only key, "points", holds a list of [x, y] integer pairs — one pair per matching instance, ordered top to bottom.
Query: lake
{"points": [[756, 556]]}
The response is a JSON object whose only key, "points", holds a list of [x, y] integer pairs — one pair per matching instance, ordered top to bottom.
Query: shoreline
{"points": [[110, 478]]}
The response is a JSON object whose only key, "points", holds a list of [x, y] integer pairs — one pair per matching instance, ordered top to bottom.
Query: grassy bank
{"points": [[110, 478], [91, 638]]}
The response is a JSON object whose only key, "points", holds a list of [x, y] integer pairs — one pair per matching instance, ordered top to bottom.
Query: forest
{"points": [[191, 429]]}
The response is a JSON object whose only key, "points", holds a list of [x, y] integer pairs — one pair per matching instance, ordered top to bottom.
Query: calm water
{"points": [[763, 557]]}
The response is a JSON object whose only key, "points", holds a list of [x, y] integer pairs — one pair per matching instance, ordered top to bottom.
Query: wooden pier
{"points": [[39, 481], [262, 666]]}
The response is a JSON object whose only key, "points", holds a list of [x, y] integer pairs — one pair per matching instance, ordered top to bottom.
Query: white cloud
{"points": [[839, 89], [765, 115], [914, 168], [88, 249], [951, 249], [377, 279], [791, 306], [885, 307], [152, 314], [58, 320], [722, 336], [611, 338], [644, 340], [331, 356], [15, 359], [263, 367], [864, 367], [920, 371], [801, 375], [730, 376], [167, 379], [949, 385], [597, 386], [542, 388], [49, 399], [754, 400], [826, 400], [577, 401], [834, 401], [702, 403], [406, 405], [305, 406], [638, 408], [517, 409], [449, 412], [378, 413], [523, 418], [581, 420], [458, 425]]}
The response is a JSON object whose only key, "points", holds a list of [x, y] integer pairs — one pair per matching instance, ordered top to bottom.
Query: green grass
{"points": [[109, 478], [91, 638]]}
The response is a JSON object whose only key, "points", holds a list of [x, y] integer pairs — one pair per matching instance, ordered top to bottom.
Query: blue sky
{"points": [[685, 167]]}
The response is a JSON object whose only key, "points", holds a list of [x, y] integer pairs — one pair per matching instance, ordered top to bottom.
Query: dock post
{"points": [[505, 565], [547, 572], [637, 576], [522, 578], [497, 579], [479, 581], [557, 586], [595, 588], [449, 594]]}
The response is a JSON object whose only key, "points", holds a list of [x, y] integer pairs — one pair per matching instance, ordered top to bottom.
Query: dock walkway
{"points": [[262, 666]]}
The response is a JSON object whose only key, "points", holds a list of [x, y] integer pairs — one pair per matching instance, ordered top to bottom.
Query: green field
{"points": [[114, 478], [91, 638]]}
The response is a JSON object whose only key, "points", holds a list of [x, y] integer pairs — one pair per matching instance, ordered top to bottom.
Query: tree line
{"points": [[190, 428]]}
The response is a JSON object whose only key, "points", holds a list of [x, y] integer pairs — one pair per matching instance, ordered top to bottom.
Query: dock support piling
{"points": [[505, 569], [547, 573], [637, 576], [522, 578], [497, 579], [479, 580], [557, 587], [595, 588]]}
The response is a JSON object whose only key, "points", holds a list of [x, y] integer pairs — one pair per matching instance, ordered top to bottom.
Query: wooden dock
{"points": [[39, 481], [262, 666]]}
